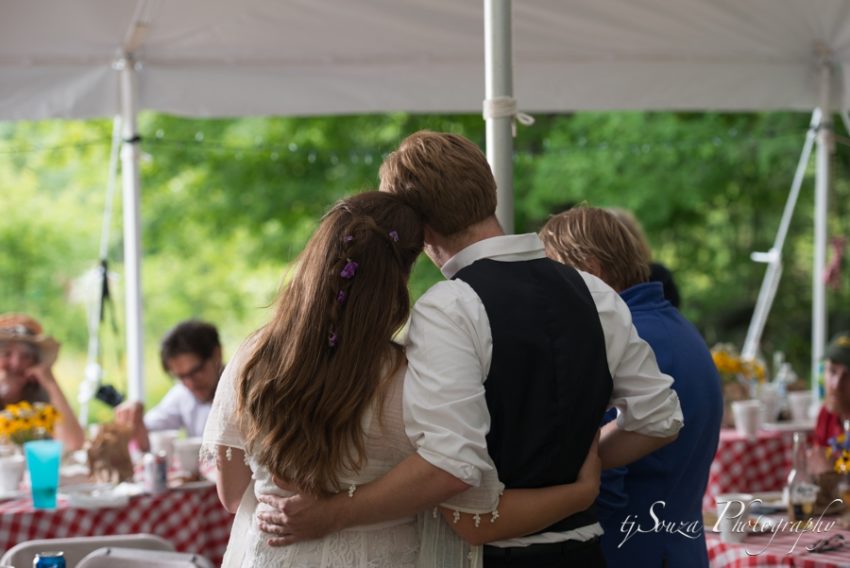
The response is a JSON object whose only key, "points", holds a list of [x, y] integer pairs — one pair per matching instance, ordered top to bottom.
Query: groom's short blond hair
{"points": [[444, 177]]}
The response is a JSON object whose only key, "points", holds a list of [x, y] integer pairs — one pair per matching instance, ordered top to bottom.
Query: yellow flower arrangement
{"points": [[731, 366], [23, 422], [838, 450]]}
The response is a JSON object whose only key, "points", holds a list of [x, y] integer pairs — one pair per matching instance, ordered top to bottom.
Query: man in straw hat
{"points": [[26, 361]]}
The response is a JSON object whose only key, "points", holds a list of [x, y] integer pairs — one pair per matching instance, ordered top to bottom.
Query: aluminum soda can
{"points": [[155, 478], [49, 560]]}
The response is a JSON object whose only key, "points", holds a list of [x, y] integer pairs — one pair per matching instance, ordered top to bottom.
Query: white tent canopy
{"points": [[317, 57], [208, 58]]}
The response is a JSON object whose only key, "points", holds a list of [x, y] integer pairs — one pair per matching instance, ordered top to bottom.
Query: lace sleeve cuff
{"points": [[214, 454], [476, 517]]}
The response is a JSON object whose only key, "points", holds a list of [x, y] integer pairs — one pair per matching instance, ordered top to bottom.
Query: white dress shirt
{"points": [[449, 352], [179, 409]]}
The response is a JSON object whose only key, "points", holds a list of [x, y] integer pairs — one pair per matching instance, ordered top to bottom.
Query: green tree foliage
{"points": [[709, 189], [228, 204]]}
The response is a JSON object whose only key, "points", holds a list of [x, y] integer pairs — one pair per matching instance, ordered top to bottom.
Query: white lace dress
{"points": [[394, 544]]}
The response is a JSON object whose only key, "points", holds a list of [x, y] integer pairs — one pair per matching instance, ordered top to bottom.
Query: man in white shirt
{"points": [[450, 350], [191, 353]]}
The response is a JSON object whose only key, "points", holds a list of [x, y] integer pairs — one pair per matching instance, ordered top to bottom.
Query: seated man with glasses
{"points": [[191, 353]]}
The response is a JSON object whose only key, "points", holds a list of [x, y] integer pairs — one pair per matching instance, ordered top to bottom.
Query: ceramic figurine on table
{"points": [[108, 454]]}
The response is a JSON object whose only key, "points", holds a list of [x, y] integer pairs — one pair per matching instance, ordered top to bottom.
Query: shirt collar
{"points": [[505, 248]]}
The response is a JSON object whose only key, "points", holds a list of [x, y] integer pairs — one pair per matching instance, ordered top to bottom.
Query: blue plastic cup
{"points": [[43, 457]]}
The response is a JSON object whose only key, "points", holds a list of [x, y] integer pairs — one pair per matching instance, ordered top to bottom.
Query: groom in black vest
{"points": [[515, 357]]}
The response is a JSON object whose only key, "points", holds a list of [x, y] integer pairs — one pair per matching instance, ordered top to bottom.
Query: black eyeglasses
{"points": [[191, 373]]}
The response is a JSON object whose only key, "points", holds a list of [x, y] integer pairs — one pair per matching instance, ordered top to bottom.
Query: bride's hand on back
{"points": [[299, 517]]}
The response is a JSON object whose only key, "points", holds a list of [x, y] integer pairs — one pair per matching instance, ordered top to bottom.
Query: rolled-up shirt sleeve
{"points": [[448, 351], [641, 392], [166, 415]]}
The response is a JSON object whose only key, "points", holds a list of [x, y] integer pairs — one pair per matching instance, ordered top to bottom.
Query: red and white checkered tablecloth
{"points": [[748, 466], [193, 519], [785, 550]]}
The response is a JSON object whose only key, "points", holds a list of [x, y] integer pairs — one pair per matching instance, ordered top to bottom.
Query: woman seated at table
{"points": [[26, 374], [314, 399]]}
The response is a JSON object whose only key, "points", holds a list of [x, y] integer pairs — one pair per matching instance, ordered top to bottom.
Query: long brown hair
{"points": [[322, 360]]}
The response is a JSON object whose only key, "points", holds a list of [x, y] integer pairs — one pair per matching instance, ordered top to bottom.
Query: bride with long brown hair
{"points": [[313, 400]]}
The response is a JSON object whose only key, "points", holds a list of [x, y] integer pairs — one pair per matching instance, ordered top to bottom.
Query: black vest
{"points": [[549, 382]]}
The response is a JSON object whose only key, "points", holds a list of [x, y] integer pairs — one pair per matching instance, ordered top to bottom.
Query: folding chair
{"points": [[75, 548], [116, 557]]}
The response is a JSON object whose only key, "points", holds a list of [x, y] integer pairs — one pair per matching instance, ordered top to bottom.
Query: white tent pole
{"points": [[499, 83], [824, 140], [799, 174], [132, 230], [773, 257]]}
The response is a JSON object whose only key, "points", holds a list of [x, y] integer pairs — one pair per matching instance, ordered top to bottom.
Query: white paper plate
{"points": [[788, 426], [201, 483], [130, 488], [17, 494], [94, 495], [771, 502]]}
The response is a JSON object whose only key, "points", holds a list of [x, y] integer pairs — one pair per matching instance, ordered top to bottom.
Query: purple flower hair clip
{"points": [[393, 236], [347, 239], [349, 270], [340, 297], [332, 339]]}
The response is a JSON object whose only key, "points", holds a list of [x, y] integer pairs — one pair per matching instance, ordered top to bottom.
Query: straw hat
{"points": [[24, 329]]}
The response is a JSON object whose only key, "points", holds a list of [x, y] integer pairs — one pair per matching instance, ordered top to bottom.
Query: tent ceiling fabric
{"points": [[318, 57]]}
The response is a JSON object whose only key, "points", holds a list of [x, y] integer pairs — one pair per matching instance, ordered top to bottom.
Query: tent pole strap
{"points": [[499, 83], [824, 142], [132, 231], [94, 372]]}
